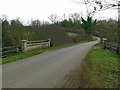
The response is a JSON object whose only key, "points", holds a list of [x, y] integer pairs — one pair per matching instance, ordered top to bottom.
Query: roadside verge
{"points": [[99, 69]]}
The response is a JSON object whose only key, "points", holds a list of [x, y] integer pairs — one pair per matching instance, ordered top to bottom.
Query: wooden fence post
{"points": [[104, 44], [24, 45], [110, 46], [117, 51]]}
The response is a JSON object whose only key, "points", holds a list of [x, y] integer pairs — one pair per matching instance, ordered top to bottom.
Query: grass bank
{"points": [[72, 34], [31, 53], [100, 69]]}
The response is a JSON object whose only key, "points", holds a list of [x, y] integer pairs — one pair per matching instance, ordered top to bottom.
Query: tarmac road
{"points": [[46, 70]]}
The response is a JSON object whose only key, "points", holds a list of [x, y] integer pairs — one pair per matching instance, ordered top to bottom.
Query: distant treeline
{"points": [[103, 28], [108, 29], [14, 31]]}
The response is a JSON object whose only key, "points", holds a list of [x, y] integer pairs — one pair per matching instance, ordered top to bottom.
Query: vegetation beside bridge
{"points": [[100, 69]]}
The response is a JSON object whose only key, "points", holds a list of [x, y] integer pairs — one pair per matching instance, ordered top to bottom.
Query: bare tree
{"points": [[94, 6], [4, 17], [63, 17], [74, 17], [53, 18], [16, 22], [35, 23], [44, 23]]}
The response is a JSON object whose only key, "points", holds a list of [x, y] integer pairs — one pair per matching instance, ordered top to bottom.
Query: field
{"points": [[72, 34]]}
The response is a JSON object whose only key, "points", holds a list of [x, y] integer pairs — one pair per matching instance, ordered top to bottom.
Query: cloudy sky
{"points": [[41, 9]]}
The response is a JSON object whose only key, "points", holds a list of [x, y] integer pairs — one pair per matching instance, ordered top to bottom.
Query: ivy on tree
{"points": [[88, 24]]}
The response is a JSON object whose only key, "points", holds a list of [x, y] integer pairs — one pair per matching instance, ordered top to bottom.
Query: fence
{"points": [[23, 47], [114, 47], [10, 51]]}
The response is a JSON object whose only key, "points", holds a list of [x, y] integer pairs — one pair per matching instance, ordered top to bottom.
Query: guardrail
{"points": [[114, 47]]}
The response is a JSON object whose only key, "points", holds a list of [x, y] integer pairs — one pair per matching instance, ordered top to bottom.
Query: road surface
{"points": [[46, 70]]}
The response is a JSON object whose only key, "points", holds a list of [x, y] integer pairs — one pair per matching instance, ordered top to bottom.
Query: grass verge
{"points": [[72, 34], [31, 53], [100, 69]]}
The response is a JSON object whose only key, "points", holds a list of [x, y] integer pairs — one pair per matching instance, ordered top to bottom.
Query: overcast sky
{"points": [[41, 9]]}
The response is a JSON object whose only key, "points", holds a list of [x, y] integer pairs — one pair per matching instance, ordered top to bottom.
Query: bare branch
{"points": [[98, 5], [53, 18]]}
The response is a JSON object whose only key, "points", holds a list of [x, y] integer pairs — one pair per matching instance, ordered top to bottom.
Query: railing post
{"points": [[49, 42], [104, 43], [24, 45], [110, 46], [118, 50]]}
